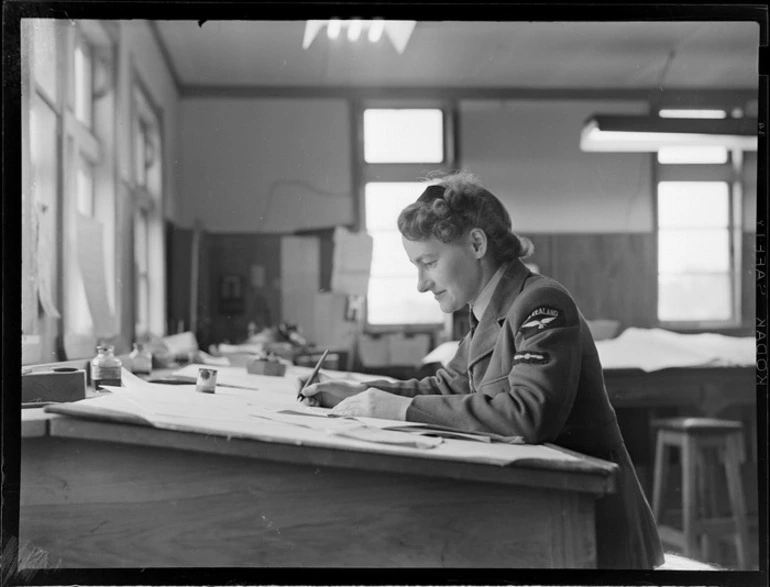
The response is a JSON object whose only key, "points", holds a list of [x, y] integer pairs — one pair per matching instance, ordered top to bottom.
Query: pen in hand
{"points": [[313, 375]]}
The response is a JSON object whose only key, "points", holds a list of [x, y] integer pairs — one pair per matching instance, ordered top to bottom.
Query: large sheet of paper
{"points": [[45, 255], [90, 255], [352, 261], [654, 349], [237, 376], [276, 417]]}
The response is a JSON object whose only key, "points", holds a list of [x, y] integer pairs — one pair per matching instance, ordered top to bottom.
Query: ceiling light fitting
{"points": [[399, 31], [640, 134]]}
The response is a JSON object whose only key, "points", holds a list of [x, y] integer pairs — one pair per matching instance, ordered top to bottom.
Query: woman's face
{"points": [[450, 271]]}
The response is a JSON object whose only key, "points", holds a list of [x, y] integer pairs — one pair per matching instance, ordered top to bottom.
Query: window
{"points": [[403, 135], [400, 146], [147, 181], [69, 206], [89, 213], [698, 224], [694, 252], [393, 297]]}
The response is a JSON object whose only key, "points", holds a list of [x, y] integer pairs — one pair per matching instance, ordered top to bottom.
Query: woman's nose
{"points": [[423, 283]]}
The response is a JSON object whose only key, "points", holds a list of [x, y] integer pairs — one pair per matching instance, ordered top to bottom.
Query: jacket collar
{"points": [[485, 334]]}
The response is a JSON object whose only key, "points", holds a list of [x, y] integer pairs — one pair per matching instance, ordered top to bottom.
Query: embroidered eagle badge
{"points": [[540, 319], [539, 324]]}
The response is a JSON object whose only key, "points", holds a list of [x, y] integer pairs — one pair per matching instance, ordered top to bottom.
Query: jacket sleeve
{"points": [[541, 334], [449, 380]]}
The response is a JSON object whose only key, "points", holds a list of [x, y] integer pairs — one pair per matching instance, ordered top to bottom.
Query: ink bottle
{"points": [[141, 360], [105, 367]]}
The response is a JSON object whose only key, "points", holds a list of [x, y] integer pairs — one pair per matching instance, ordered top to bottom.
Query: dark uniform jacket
{"points": [[530, 368]]}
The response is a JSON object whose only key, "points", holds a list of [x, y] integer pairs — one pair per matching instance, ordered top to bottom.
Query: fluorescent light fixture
{"points": [[399, 31], [681, 113], [642, 134]]}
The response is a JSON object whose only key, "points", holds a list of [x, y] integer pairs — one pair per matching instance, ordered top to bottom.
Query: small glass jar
{"points": [[141, 360], [105, 367]]}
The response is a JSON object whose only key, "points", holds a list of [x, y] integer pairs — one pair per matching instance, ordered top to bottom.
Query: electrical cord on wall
{"points": [[280, 183]]}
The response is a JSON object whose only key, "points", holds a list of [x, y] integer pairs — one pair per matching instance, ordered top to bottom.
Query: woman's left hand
{"points": [[374, 403]]}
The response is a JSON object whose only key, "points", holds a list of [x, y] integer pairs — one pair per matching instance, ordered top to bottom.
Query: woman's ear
{"points": [[478, 240]]}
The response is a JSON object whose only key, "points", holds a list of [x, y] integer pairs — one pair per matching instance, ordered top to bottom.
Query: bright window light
{"points": [[333, 29], [354, 30], [375, 30], [83, 83], [677, 113], [404, 135], [711, 154], [693, 204], [694, 252], [393, 297]]}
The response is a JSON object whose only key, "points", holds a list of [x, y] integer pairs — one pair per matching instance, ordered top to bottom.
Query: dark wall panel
{"points": [[240, 283]]}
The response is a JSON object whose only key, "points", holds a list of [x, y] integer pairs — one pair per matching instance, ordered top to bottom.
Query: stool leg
{"points": [[659, 477], [713, 483], [737, 500], [704, 502], [689, 505]]}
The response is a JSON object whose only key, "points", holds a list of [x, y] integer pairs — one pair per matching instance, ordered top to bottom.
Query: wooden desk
{"points": [[705, 390], [107, 494]]}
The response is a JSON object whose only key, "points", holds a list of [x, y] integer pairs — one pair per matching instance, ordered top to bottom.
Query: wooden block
{"points": [[262, 367], [64, 384]]}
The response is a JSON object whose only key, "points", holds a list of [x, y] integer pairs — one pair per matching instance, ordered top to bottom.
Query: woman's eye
{"points": [[430, 264]]}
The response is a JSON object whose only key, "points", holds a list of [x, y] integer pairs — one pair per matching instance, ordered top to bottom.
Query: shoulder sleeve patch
{"points": [[541, 318], [530, 357]]}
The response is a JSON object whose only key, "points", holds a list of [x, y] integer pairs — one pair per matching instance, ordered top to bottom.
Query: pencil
{"points": [[313, 375]]}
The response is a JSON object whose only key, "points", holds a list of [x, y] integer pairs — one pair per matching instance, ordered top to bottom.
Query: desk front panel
{"points": [[100, 504]]}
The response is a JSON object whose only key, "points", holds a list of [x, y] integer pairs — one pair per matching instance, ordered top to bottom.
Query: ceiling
{"points": [[556, 55]]}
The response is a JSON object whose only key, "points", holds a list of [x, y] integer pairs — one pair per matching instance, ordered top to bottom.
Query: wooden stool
{"points": [[693, 437]]}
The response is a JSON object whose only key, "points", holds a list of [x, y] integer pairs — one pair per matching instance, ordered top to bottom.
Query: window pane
{"points": [[43, 39], [83, 83], [403, 135], [706, 154], [140, 155], [85, 189], [384, 202], [693, 203], [44, 235], [140, 242], [685, 251], [389, 257], [694, 297], [397, 301], [142, 325]]}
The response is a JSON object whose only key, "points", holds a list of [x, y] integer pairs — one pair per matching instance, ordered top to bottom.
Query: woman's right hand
{"points": [[328, 394]]}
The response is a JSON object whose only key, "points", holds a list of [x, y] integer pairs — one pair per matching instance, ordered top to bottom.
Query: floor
{"points": [[726, 558]]}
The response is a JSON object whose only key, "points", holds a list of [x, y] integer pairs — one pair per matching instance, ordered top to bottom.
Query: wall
{"points": [[528, 154], [266, 165], [590, 215]]}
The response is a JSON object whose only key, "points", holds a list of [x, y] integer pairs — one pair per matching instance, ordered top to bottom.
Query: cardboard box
{"points": [[263, 367], [64, 384]]}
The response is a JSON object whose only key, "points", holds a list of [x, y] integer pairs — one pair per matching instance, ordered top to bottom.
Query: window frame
{"points": [[88, 143], [402, 172], [729, 173], [147, 204], [41, 334]]}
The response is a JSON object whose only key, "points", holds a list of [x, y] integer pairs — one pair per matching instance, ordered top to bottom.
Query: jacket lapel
{"points": [[485, 336]]}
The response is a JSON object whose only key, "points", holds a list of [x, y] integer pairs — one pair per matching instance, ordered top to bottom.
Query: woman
{"points": [[528, 367]]}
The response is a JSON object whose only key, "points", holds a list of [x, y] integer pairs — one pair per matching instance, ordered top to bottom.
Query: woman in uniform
{"points": [[528, 367]]}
